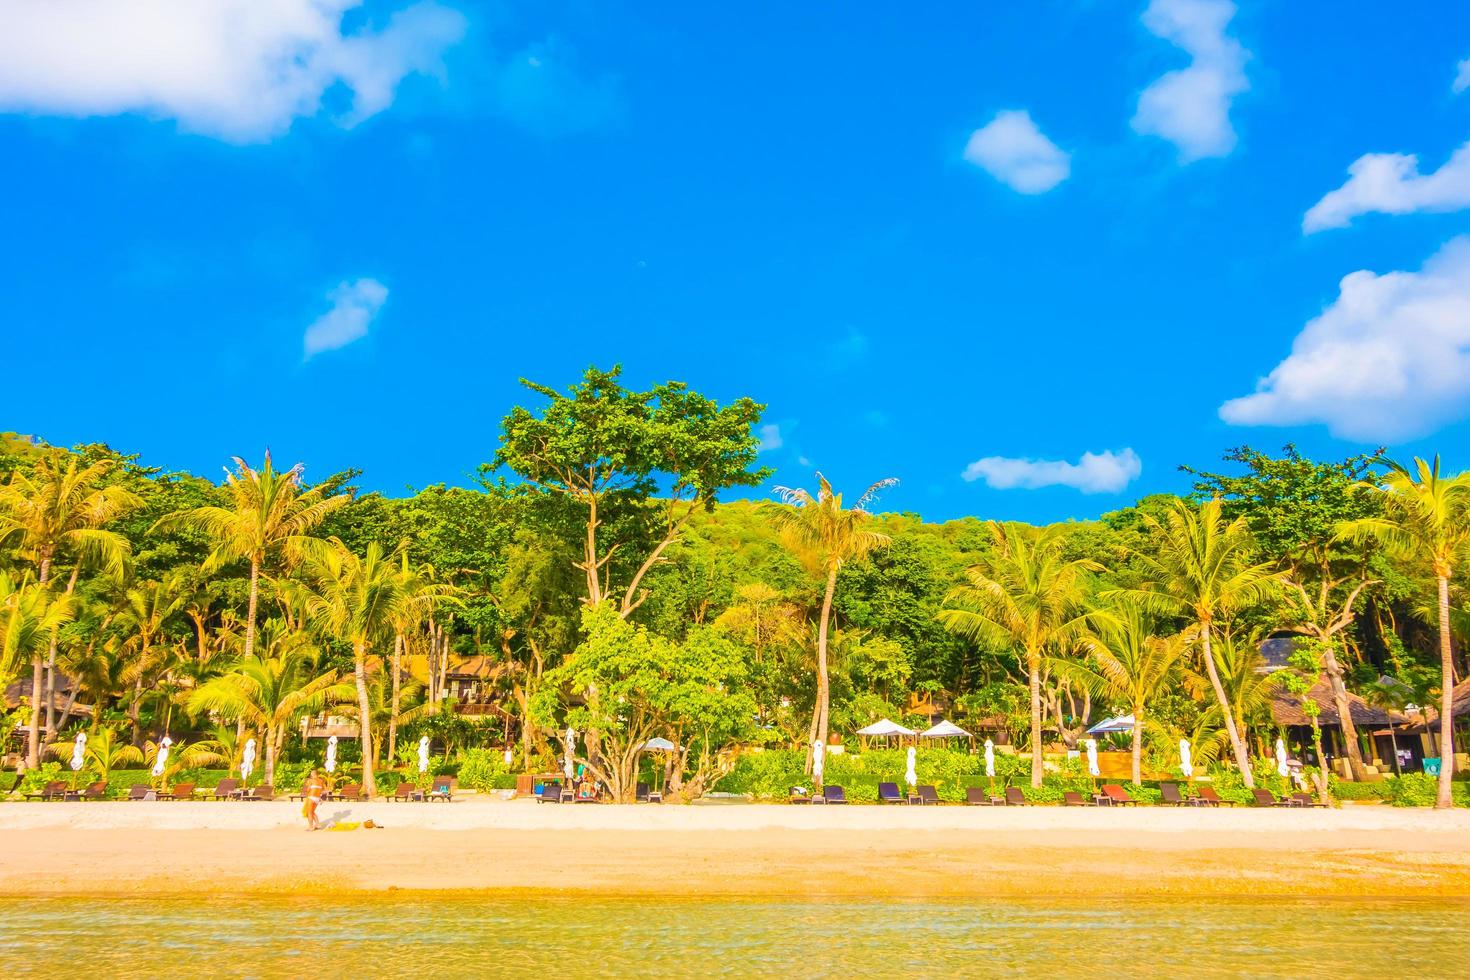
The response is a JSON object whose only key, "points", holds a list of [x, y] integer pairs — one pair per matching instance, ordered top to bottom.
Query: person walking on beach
{"points": [[311, 796]]}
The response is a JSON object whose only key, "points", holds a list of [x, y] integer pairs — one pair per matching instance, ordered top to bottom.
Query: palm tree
{"points": [[59, 511], [269, 516], [1426, 519], [828, 535], [1203, 569], [1027, 595], [357, 600], [146, 609], [30, 614], [406, 616], [1129, 663], [1249, 690], [269, 693], [1391, 695], [104, 752]]}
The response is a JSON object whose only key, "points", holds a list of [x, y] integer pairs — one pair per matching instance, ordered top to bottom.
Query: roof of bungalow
{"points": [[1459, 707], [1286, 708]]}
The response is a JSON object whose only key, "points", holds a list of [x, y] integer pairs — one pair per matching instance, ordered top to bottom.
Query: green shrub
{"points": [[484, 769], [36, 779], [1361, 791]]}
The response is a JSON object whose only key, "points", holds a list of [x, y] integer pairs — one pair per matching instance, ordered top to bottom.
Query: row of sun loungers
{"points": [[230, 789], [1112, 795]]}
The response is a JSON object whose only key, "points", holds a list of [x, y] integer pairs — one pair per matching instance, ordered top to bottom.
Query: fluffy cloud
{"points": [[239, 70], [1462, 77], [1190, 107], [1017, 153], [1390, 183], [354, 306], [1388, 360], [770, 436], [1104, 472]]}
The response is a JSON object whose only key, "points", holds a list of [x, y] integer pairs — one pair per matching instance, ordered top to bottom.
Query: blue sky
{"points": [[979, 239]]}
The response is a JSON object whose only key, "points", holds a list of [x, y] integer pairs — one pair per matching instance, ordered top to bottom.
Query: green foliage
{"points": [[484, 769], [36, 779], [1420, 789]]}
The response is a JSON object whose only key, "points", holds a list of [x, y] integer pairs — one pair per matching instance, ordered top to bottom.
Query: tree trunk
{"points": [[71, 584], [250, 612], [38, 667], [820, 708], [393, 709], [1344, 713], [364, 718], [1137, 744], [1236, 744], [270, 757], [1038, 766], [1445, 799]]}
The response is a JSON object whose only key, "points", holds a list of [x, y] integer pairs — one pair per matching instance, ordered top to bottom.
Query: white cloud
{"points": [[239, 70], [1462, 77], [1190, 107], [1015, 152], [1390, 183], [354, 305], [1389, 359], [770, 436], [1104, 472]]}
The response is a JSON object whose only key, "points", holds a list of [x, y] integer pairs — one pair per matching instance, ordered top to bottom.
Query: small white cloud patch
{"points": [[1462, 77], [1190, 107], [1015, 152], [1390, 183], [354, 306], [1388, 360], [770, 436], [1104, 472]]}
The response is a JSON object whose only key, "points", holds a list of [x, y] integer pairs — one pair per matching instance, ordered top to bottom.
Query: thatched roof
{"points": [[1286, 709]]}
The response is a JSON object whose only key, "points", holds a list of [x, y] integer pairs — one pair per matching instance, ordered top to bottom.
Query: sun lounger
{"points": [[228, 789], [443, 789], [54, 790], [96, 791], [141, 791], [181, 791], [405, 791], [266, 792], [351, 792], [550, 793], [640, 793], [888, 793], [834, 794], [799, 795], [928, 795], [1117, 795], [1170, 795], [976, 796], [1014, 796], [1208, 797], [1263, 797], [1070, 798]]}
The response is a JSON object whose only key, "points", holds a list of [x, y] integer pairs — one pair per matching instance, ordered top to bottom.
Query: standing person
{"points": [[311, 795]]}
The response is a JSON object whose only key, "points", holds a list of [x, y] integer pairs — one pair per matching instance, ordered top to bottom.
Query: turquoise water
{"points": [[399, 935]]}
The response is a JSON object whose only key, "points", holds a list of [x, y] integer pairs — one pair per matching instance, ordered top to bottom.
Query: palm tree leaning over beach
{"points": [[1426, 521], [827, 535], [1026, 596]]}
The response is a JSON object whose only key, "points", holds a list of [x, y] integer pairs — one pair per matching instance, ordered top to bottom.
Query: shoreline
{"points": [[510, 849]]}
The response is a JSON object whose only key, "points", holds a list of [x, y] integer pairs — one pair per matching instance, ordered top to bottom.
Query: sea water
{"points": [[399, 934]]}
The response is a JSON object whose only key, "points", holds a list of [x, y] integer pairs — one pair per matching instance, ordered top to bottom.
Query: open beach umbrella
{"points": [[1122, 723], [885, 727], [945, 729], [657, 744], [79, 752], [332, 754], [424, 754], [817, 754], [1280, 757], [1092, 758], [989, 759], [162, 760], [247, 760], [1186, 763], [911, 777]]}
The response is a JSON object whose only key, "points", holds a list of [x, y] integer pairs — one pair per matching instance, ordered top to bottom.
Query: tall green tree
{"points": [[1426, 521], [827, 536], [1026, 595], [30, 615]]}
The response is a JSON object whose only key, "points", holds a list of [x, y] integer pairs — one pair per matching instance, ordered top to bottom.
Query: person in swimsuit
{"points": [[311, 794]]}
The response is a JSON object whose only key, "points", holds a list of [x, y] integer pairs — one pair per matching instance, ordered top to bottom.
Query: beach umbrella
{"points": [[1108, 726], [883, 727], [945, 729], [657, 744], [818, 750], [78, 753], [332, 754], [424, 754], [509, 757], [1092, 757], [1280, 757], [989, 759], [162, 760], [247, 760], [1186, 763], [910, 776]]}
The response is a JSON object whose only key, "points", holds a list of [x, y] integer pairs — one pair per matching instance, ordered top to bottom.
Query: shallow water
{"points": [[433, 935]]}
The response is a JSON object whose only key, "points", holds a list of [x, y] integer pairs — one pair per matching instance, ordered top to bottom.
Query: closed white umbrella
{"points": [[569, 742], [79, 752], [817, 753], [332, 754], [424, 754], [509, 757], [1280, 757], [1092, 758], [989, 759], [162, 760], [247, 760], [1186, 762], [911, 776]]}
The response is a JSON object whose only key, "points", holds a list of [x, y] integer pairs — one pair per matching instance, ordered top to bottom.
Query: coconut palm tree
{"points": [[56, 512], [269, 517], [1426, 521], [827, 535], [1202, 568], [1028, 596], [146, 610], [30, 615], [406, 617], [1128, 662], [1249, 690], [270, 692], [1390, 695], [104, 752]]}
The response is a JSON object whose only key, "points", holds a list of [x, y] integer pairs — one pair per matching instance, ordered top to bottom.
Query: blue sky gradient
{"points": [[766, 202]]}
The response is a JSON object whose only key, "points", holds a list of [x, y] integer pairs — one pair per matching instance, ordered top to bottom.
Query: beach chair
{"points": [[227, 789], [443, 789], [55, 790], [96, 791], [141, 791], [181, 791], [350, 791], [405, 791], [266, 792], [550, 793], [640, 793], [888, 793], [834, 794], [799, 795], [928, 795], [1170, 795], [976, 796], [1014, 796], [1118, 796], [1207, 796], [1263, 797], [1071, 798], [1305, 799]]}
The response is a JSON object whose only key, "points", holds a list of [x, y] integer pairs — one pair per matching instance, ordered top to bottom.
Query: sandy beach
{"points": [[148, 848]]}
